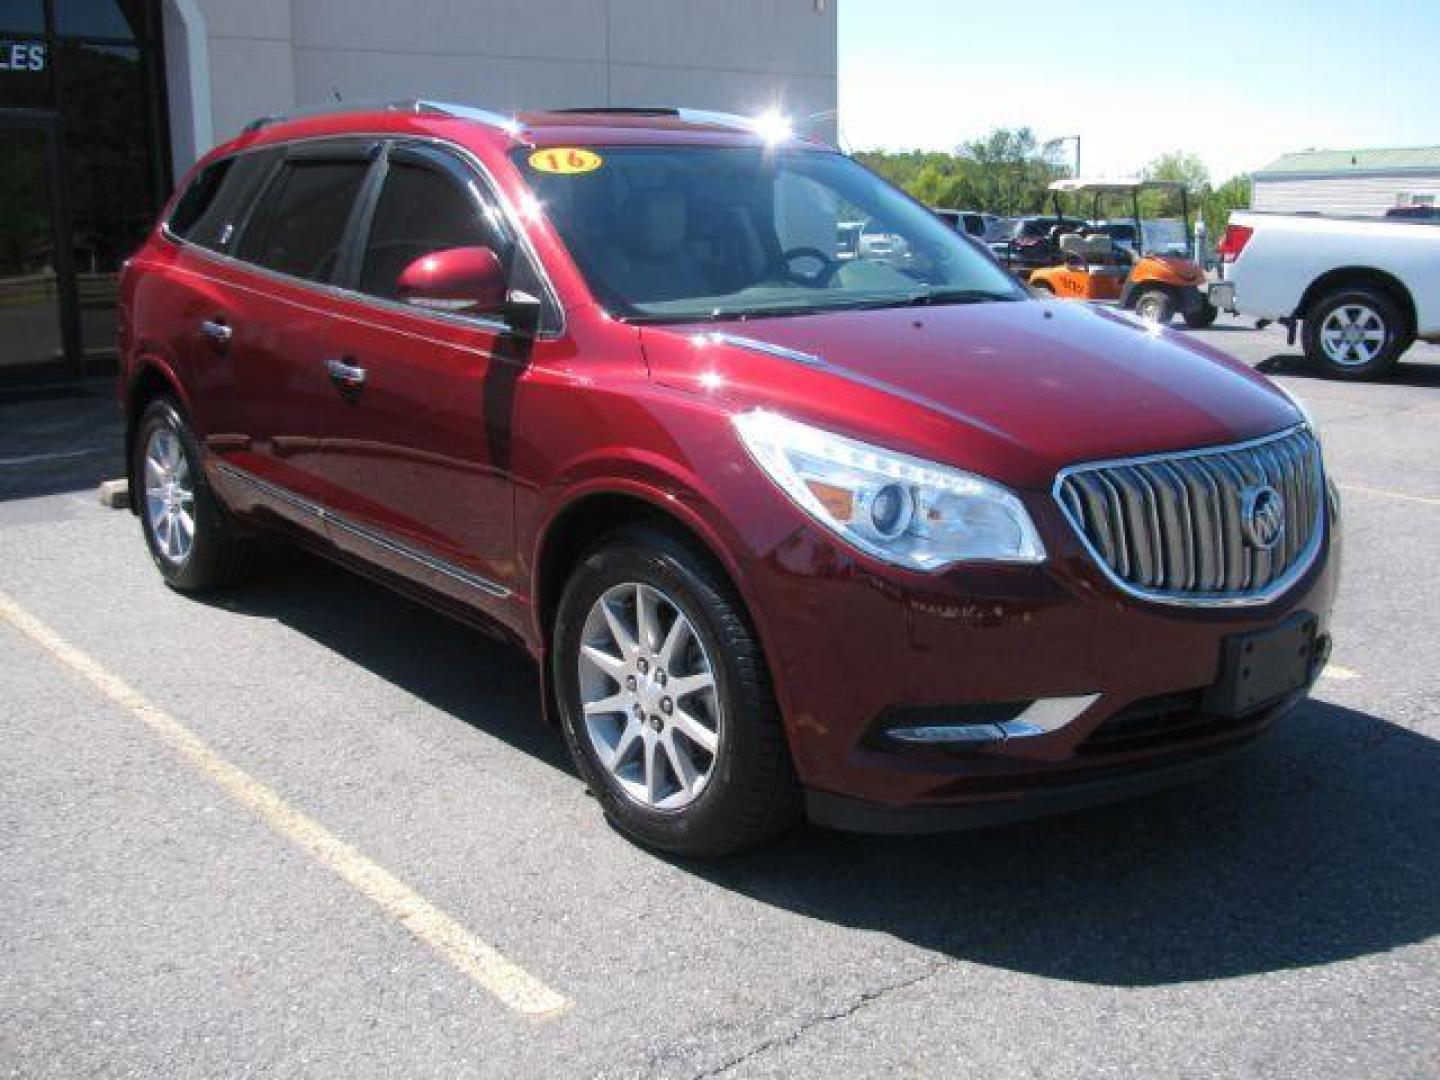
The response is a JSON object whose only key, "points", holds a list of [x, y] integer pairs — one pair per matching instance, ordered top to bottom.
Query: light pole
{"points": [[1076, 139]]}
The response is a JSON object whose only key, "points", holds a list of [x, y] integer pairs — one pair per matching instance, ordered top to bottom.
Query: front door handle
{"points": [[217, 332], [346, 374]]}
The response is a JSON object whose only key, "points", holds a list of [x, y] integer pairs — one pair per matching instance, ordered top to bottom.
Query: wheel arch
{"points": [[1349, 276], [150, 380], [603, 507]]}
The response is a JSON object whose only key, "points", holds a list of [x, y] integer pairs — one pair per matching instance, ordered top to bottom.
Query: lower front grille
{"points": [[1224, 525], [1160, 721]]}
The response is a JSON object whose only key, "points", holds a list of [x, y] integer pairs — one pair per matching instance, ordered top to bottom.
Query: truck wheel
{"points": [[1045, 288], [1155, 305], [1202, 317], [1354, 333], [194, 541], [665, 699]]}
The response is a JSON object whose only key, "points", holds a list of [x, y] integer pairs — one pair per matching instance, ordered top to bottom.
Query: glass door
{"points": [[36, 283]]}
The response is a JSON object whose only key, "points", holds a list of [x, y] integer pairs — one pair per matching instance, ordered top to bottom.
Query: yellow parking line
{"points": [[1425, 500], [1341, 674], [512, 985]]}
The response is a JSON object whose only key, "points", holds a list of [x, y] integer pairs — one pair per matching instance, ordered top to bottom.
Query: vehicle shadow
{"points": [[1405, 373], [490, 684], [1322, 844]]}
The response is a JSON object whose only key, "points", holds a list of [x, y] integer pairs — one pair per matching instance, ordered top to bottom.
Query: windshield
{"points": [[675, 233]]}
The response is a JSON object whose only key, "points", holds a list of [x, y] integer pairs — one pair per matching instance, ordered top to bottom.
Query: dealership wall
{"points": [[229, 61]]}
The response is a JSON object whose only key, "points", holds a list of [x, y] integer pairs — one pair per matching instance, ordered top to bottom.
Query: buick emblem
{"points": [[1262, 516]]}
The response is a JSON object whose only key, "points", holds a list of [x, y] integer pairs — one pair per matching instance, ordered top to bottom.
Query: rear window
{"points": [[300, 224]]}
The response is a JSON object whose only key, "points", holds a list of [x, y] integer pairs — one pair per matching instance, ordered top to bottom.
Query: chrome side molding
{"points": [[396, 547]]}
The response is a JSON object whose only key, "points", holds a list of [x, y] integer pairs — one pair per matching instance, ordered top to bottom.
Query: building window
{"points": [[85, 73]]}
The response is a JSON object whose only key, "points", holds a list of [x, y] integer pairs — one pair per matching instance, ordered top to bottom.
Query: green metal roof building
{"points": [[1365, 182]]}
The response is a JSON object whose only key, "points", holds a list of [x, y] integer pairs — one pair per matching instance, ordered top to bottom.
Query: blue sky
{"points": [[1237, 83]]}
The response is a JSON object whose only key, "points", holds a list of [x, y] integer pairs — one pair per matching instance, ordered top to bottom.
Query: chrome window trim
{"points": [[491, 190], [328, 517], [1303, 562]]}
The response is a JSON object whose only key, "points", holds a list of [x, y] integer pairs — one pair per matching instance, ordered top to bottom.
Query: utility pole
{"points": [[1076, 140]]}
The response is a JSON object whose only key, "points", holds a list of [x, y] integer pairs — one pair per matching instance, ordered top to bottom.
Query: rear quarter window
{"points": [[210, 211]]}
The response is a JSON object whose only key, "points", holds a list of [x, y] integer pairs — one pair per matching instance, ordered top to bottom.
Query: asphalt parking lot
{"points": [[308, 828]]}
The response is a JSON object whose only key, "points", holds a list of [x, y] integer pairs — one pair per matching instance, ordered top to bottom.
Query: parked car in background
{"points": [[1414, 213], [979, 226], [1358, 291], [883, 540]]}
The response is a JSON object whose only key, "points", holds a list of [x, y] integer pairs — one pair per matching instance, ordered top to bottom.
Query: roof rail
{"points": [[410, 105], [736, 121]]}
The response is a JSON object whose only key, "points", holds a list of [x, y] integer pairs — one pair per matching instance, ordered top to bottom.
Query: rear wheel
{"points": [[1045, 288], [1155, 305], [1202, 316], [1354, 333], [194, 541], [666, 701]]}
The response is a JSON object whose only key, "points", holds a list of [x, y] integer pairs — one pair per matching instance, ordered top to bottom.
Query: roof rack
{"points": [[410, 105], [736, 121]]}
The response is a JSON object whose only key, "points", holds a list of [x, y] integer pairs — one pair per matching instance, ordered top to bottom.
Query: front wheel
{"points": [[1155, 306], [1354, 333], [666, 700]]}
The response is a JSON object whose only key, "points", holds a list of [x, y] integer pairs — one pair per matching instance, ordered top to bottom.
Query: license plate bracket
{"points": [[1264, 667]]}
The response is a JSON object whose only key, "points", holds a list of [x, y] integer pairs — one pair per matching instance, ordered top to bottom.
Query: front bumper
{"points": [[851, 641]]}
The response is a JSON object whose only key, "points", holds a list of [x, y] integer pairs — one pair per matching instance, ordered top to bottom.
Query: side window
{"points": [[210, 211], [420, 211], [300, 223]]}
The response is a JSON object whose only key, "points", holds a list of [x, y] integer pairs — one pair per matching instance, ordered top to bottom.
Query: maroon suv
{"points": [[790, 522]]}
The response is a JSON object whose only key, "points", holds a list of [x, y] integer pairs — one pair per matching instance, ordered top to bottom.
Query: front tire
{"points": [[1156, 306], [1354, 333], [192, 538], [665, 699]]}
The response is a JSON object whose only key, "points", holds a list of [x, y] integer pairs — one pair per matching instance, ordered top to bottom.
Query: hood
{"points": [[1013, 390]]}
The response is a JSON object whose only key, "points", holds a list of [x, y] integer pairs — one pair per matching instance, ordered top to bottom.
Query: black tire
{"points": [[1044, 288], [1155, 305], [1381, 312], [1202, 317], [219, 552], [751, 794]]}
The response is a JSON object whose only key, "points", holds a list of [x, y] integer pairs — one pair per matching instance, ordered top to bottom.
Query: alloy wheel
{"points": [[1352, 335], [169, 496], [648, 693]]}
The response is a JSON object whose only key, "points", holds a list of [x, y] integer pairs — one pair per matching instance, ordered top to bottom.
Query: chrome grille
{"points": [[1169, 527]]}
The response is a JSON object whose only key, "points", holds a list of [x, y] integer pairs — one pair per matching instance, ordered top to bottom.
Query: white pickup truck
{"points": [[1360, 291]]}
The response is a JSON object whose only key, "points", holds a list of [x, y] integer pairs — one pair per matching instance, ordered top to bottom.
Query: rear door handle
{"points": [[216, 331], [345, 373]]}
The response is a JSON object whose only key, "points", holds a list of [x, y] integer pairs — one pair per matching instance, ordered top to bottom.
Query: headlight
{"points": [[898, 508]]}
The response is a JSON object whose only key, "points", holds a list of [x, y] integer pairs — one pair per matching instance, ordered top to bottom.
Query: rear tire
{"points": [[1155, 305], [1203, 317], [1354, 333], [195, 543], [625, 743]]}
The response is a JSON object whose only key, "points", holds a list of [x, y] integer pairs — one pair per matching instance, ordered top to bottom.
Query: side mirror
{"points": [[464, 280]]}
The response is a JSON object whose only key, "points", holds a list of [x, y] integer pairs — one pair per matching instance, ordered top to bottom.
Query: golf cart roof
{"points": [[1075, 185]]}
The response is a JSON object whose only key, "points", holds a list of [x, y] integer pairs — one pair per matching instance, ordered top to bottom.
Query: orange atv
{"points": [[1107, 261]]}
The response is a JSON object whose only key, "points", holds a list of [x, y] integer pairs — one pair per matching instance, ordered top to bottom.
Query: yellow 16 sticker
{"points": [[565, 160]]}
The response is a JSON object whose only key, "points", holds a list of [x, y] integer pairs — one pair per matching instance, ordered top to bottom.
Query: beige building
{"points": [[103, 103], [1342, 182]]}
